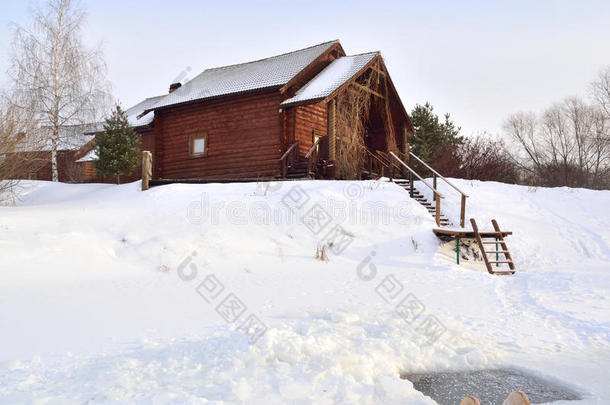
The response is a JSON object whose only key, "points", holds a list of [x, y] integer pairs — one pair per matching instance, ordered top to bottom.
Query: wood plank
{"points": [[366, 89]]}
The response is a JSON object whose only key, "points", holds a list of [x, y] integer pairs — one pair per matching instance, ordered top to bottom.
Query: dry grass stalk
{"points": [[354, 107], [321, 253]]}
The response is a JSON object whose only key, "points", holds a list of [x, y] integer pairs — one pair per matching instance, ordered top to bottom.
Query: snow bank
{"points": [[103, 299]]}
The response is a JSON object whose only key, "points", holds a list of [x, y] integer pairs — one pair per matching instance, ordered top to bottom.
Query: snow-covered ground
{"points": [[113, 295]]}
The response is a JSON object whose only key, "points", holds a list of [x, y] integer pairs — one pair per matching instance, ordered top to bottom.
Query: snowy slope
{"points": [[97, 302]]}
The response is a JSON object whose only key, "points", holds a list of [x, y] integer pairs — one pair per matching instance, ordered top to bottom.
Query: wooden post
{"points": [[332, 136], [405, 150], [391, 168], [146, 169], [434, 184], [411, 186], [438, 209], [463, 211], [475, 229]]}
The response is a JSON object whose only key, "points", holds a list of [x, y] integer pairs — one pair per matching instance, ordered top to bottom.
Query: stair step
{"points": [[491, 242], [496, 251], [500, 261], [507, 272]]}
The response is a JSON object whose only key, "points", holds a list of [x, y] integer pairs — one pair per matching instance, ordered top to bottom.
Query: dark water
{"points": [[491, 387]]}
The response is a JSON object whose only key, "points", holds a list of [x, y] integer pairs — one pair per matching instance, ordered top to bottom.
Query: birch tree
{"points": [[55, 75]]}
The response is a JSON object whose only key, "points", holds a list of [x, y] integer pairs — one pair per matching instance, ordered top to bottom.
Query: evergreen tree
{"points": [[431, 134], [117, 147]]}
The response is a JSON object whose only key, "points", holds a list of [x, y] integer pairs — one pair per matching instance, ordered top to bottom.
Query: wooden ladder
{"points": [[498, 235]]}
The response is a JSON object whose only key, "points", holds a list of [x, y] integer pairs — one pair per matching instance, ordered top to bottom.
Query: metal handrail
{"points": [[315, 144], [438, 174], [416, 175]]}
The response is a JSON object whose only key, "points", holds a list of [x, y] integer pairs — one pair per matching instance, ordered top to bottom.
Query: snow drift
{"points": [[113, 295]]}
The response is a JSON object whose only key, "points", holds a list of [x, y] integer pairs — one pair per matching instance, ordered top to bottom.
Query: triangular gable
{"points": [[335, 75]]}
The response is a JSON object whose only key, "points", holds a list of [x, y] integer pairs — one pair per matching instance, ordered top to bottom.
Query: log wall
{"points": [[308, 118], [243, 131]]}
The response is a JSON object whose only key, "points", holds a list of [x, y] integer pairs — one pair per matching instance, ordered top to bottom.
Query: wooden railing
{"points": [[312, 155], [289, 157], [384, 157], [375, 164], [436, 175], [437, 195]]}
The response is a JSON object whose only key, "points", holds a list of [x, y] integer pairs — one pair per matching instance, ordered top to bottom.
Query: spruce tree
{"points": [[431, 134], [117, 147]]}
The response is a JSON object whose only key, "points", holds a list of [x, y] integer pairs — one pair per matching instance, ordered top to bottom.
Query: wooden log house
{"points": [[273, 117]]}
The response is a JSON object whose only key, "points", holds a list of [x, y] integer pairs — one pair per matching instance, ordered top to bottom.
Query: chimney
{"points": [[174, 86]]}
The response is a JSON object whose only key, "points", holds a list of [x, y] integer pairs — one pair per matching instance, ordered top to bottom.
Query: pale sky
{"points": [[480, 61]]}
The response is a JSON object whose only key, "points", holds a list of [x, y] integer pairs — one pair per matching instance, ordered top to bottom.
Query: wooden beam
{"points": [[377, 69], [364, 88], [332, 140]]}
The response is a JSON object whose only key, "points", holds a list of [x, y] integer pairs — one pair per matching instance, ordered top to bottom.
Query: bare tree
{"points": [[55, 75], [600, 90], [522, 131], [17, 135], [568, 145], [601, 149]]}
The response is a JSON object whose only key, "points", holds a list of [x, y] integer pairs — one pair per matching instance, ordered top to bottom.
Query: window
{"points": [[198, 145]]}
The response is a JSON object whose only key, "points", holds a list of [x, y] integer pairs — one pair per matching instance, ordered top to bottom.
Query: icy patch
{"points": [[489, 386]]}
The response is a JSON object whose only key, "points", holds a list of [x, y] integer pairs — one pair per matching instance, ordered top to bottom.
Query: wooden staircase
{"points": [[396, 165], [293, 166], [299, 170], [406, 184], [498, 241]]}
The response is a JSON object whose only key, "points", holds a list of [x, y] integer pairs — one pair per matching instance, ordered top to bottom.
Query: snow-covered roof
{"points": [[265, 73], [331, 78], [134, 111], [71, 138], [88, 157]]}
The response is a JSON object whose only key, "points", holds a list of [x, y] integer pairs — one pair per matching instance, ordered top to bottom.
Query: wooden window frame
{"points": [[192, 138]]}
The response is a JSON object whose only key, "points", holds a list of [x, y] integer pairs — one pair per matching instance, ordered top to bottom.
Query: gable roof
{"points": [[266, 73], [331, 78], [134, 111], [70, 138], [90, 156]]}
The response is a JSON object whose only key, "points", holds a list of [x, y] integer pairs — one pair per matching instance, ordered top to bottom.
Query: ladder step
{"points": [[491, 242], [496, 251], [501, 261], [504, 272]]}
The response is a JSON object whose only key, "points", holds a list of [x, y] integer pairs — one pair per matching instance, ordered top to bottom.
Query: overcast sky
{"points": [[480, 61]]}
